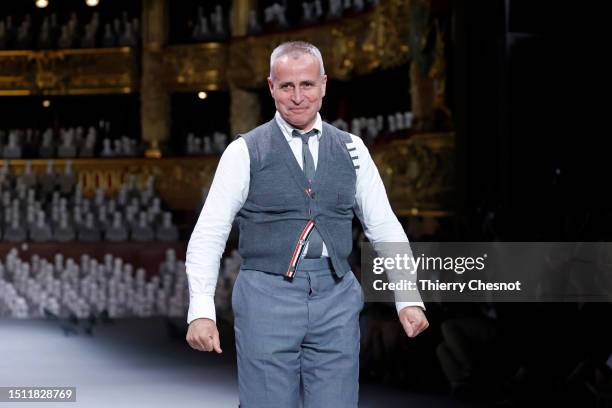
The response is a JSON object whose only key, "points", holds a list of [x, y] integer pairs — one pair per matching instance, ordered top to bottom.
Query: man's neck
{"points": [[303, 129]]}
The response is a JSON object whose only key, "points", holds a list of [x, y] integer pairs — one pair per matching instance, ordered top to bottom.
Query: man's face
{"points": [[298, 89]]}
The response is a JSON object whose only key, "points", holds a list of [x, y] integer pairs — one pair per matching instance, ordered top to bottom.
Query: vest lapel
{"points": [[285, 151], [324, 156]]}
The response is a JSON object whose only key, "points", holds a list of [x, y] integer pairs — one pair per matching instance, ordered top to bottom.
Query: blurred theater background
{"points": [[114, 114]]}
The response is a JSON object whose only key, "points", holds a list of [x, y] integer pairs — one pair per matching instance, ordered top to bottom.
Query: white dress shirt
{"points": [[228, 193]]}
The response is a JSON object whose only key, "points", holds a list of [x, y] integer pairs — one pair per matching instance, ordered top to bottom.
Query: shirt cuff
{"points": [[400, 305], [201, 306]]}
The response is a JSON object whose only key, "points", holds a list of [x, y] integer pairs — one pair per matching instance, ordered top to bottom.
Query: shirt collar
{"points": [[287, 129]]}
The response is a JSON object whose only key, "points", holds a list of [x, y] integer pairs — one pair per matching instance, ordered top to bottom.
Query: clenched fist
{"points": [[413, 319], [203, 335]]}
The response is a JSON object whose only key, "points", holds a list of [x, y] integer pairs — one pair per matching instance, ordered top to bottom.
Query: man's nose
{"points": [[297, 96]]}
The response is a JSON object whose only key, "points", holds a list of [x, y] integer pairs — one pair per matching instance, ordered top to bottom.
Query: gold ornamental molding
{"points": [[360, 44], [350, 46], [196, 67], [69, 72], [418, 173], [180, 182]]}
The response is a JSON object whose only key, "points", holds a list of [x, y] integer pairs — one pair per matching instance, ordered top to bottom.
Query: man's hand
{"points": [[413, 319], [203, 335]]}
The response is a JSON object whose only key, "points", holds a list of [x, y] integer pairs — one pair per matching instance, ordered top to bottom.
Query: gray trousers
{"points": [[300, 332]]}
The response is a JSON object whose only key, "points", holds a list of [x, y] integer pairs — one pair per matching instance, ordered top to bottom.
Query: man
{"points": [[294, 183]]}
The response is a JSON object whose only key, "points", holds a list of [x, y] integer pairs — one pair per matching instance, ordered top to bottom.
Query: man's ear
{"points": [[323, 84], [271, 86]]}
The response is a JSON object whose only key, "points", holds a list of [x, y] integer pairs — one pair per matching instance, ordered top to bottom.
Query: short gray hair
{"points": [[296, 48]]}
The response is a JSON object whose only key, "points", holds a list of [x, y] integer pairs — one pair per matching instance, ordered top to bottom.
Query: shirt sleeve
{"points": [[227, 194], [373, 209]]}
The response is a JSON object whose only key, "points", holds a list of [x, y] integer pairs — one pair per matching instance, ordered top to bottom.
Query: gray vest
{"points": [[279, 206]]}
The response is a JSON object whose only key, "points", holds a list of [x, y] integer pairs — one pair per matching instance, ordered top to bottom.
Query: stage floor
{"points": [[136, 363]]}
